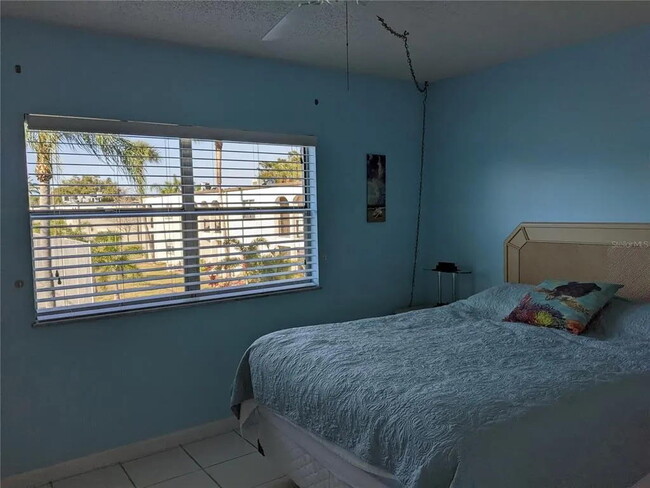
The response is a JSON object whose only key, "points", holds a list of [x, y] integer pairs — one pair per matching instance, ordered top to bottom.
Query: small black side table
{"points": [[453, 282]]}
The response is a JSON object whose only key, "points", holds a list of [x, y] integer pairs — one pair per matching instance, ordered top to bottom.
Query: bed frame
{"points": [[615, 253]]}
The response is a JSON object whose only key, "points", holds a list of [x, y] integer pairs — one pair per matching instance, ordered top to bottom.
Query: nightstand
{"points": [[449, 269]]}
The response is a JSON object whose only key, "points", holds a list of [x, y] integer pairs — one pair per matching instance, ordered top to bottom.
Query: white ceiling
{"points": [[448, 38]]}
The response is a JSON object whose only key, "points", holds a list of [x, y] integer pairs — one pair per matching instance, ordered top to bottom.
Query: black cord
{"points": [[404, 37], [347, 47], [424, 89], [417, 225]]}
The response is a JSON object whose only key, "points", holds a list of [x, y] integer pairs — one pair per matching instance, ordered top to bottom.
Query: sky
{"points": [[239, 162]]}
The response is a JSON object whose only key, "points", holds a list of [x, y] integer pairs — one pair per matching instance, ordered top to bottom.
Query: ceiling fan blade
{"points": [[298, 16], [282, 28]]}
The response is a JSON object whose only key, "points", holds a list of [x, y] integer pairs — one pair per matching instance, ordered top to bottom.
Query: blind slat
{"points": [[39, 215], [109, 223], [272, 232], [142, 251], [157, 260], [290, 264], [168, 268], [174, 285], [171, 299]]}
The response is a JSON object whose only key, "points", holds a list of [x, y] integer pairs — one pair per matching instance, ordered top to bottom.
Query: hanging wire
{"points": [[405, 38], [347, 46], [424, 89]]}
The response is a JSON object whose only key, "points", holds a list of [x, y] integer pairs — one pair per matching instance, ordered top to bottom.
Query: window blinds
{"points": [[128, 215]]}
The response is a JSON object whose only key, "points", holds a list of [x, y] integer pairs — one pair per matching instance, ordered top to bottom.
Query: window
{"points": [[129, 215]]}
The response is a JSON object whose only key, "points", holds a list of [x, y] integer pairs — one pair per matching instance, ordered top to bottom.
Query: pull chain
{"points": [[424, 89]]}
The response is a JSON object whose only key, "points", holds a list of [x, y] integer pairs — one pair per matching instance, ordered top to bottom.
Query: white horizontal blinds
{"points": [[122, 221]]}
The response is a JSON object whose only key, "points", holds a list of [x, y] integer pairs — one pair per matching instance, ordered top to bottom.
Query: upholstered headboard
{"points": [[615, 253]]}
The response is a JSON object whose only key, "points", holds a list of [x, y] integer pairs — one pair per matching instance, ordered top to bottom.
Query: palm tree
{"points": [[138, 153], [128, 156], [282, 171], [169, 187], [113, 257], [271, 261]]}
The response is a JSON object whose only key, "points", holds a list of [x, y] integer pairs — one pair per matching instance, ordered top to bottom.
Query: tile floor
{"points": [[223, 461]]}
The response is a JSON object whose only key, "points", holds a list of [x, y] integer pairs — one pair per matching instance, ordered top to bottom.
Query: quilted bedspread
{"points": [[455, 397]]}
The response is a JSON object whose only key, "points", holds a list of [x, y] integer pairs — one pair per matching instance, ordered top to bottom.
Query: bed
{"points": [[455, 397]]}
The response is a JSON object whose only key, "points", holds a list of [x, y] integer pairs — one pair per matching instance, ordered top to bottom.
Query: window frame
{"points": [[189, 211]]}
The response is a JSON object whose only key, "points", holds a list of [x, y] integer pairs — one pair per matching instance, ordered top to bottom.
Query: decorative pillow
{"points": [[560, 304]]}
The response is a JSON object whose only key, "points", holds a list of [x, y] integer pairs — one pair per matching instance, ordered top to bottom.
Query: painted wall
{"points": [[563, 136], [71, 390]]}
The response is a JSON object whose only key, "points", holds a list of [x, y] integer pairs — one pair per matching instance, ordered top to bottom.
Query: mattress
{"points": [[455, 397], [310, 462]]}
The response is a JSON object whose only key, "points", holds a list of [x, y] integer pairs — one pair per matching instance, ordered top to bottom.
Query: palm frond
{"points": [[126, 155]]}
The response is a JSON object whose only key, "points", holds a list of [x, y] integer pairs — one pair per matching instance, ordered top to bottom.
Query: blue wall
{"points": [[563, 136], [71, 390]]}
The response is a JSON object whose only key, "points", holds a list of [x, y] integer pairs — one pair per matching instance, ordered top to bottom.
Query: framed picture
{"points": [[376, 187]]}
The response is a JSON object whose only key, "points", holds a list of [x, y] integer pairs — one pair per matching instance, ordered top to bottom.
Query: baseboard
{"points": [[121, 454]]}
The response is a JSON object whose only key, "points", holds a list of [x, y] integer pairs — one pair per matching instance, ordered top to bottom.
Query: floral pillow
{"points": [[566, 305]]}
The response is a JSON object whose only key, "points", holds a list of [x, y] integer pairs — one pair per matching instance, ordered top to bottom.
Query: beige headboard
{"points": [[615, 253]]}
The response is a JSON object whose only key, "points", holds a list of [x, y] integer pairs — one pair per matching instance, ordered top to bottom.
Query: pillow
{"points": [[498, 300], [566, 305], [622, 319]]}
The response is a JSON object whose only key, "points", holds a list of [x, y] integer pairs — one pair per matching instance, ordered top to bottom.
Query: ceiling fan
{"points": [[296, 16]]}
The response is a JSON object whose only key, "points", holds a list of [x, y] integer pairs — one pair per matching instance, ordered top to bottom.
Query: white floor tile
{"points": [[249, 432], [250, 436], [214, 450], [160, 467], [244, 472], [110, 477], [197, 479]]}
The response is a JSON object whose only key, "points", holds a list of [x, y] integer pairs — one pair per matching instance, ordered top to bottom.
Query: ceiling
{"points": [[448, 38]]}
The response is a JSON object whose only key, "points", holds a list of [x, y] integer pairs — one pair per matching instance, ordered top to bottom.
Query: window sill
{"points": [[161, 307]]}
